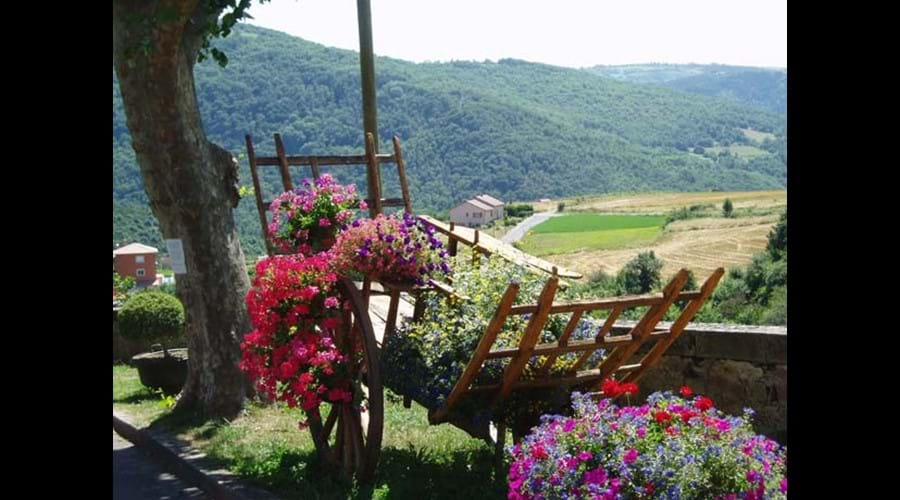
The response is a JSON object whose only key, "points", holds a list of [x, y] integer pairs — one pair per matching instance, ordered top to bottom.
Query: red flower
{"points": [[611, 388], [629, 388], [686, 391], [703, 403], [662, 417]]}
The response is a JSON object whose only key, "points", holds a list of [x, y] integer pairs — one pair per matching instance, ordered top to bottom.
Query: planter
{"points": [[160, 371]]}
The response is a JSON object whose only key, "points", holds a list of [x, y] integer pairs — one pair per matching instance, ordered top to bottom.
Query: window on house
{"points": [[138, 259], [140, 272]]}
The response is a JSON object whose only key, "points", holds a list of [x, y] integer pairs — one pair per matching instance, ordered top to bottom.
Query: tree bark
{"points": [[192, 187]]}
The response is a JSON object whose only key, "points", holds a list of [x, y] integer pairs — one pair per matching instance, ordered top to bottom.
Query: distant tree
{"points": [[699, 151], [560, 207], [728, 208], [777, 245], [641, 274]]}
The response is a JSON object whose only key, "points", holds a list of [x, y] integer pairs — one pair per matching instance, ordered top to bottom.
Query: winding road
{"points": [[517, 233]]}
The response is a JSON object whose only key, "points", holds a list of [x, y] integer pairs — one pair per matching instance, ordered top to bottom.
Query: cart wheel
{"points": [[348, 438]]}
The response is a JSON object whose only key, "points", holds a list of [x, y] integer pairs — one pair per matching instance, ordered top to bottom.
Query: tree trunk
{"points": [[192, 187]]}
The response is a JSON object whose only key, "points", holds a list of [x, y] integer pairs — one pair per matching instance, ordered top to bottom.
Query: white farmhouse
{"points": [[477, 211]]}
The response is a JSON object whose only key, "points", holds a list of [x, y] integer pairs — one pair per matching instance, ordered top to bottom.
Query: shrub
{"points": [[560, 207], [728, 208], [777, 244], [641, 274], [122, 286], [153, 316], [670, 447]]}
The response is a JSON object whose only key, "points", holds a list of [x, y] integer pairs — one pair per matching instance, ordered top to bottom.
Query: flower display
{"points": [[307, 219], [396, 248], [295, 354], [425, 359], [670, 447]]}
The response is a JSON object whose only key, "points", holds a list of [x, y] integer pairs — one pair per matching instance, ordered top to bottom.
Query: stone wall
{"points": [[736, 366]]}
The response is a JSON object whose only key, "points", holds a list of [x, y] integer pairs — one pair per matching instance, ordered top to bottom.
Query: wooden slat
{"points": [[322, 160], [283, 164], [401, 173], [373, 178], [257, 193], [388, 202], [490, 245], [447, 290], [610, 303], [391, 322], [646, 325], [607, 326], [678, 326], [529, 339], [563, 342], [555, 349], [481, 351], [626, 368], [581, 377]]}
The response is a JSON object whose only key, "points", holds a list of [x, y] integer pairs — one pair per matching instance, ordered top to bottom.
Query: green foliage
{"points": [[758, 87], [520, 130], [728, 208], [520, 210], [684, 213], [777, 244], [641, 274], [122, 286], [153, 316]]}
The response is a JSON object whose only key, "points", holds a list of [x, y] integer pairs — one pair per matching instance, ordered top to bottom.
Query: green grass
{"points": [[580, 223], [577, 232], [561, 243], [132, 398], [265, 446]]}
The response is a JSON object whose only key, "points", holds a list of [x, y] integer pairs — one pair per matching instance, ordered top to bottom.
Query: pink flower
{"points": [[363, 205], [324, 222], [331, 302], [585, 456], [630, 456]]}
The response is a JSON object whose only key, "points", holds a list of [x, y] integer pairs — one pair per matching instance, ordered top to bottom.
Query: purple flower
{"points": [[584, 456]]}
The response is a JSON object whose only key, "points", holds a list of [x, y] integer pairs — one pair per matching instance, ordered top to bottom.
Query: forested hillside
{"points": [[761, 87], [514, 129]]}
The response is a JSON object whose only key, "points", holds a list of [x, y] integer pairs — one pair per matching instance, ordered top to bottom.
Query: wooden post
{"points": [[367, 69], [283, 164], [314, 166], [401, 173], [373, 179], [257, 191]]}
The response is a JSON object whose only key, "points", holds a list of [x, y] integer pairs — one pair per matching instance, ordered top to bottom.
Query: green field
{"points": [[578, 232]]}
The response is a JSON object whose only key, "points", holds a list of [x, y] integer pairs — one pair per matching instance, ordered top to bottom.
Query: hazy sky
{"points": [[561, 32]]}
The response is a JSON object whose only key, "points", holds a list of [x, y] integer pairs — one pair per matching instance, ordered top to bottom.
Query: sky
{"points": [[560, 32]]}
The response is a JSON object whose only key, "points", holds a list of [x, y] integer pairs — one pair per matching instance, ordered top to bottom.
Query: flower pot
{"points": [[160, 370]]}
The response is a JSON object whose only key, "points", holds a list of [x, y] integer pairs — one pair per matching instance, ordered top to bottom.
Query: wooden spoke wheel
{"points": [[350, 438]]}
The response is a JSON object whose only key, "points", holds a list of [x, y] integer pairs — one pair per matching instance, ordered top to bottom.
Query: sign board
{"points": [[176, 252]]}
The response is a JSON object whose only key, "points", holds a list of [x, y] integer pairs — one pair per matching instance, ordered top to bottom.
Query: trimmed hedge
{"points": [[153, 316]]}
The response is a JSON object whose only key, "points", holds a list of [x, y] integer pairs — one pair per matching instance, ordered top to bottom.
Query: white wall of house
{"points": [[469, 215]]}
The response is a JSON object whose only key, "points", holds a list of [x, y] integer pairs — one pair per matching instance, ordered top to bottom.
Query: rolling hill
{"points": [[515, 129]]}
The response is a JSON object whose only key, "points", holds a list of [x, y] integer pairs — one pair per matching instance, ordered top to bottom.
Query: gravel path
{"points": [[518, 232]]}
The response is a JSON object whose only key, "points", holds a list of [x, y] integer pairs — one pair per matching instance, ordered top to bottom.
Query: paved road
{"points": [[518, 232], [136, 476]]}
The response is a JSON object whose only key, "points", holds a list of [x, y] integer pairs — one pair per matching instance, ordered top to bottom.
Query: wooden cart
{"points": [[352, 439]]}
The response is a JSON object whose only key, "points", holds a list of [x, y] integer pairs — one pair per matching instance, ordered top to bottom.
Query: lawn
{"points": [[579, 232], [265, 446]]}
